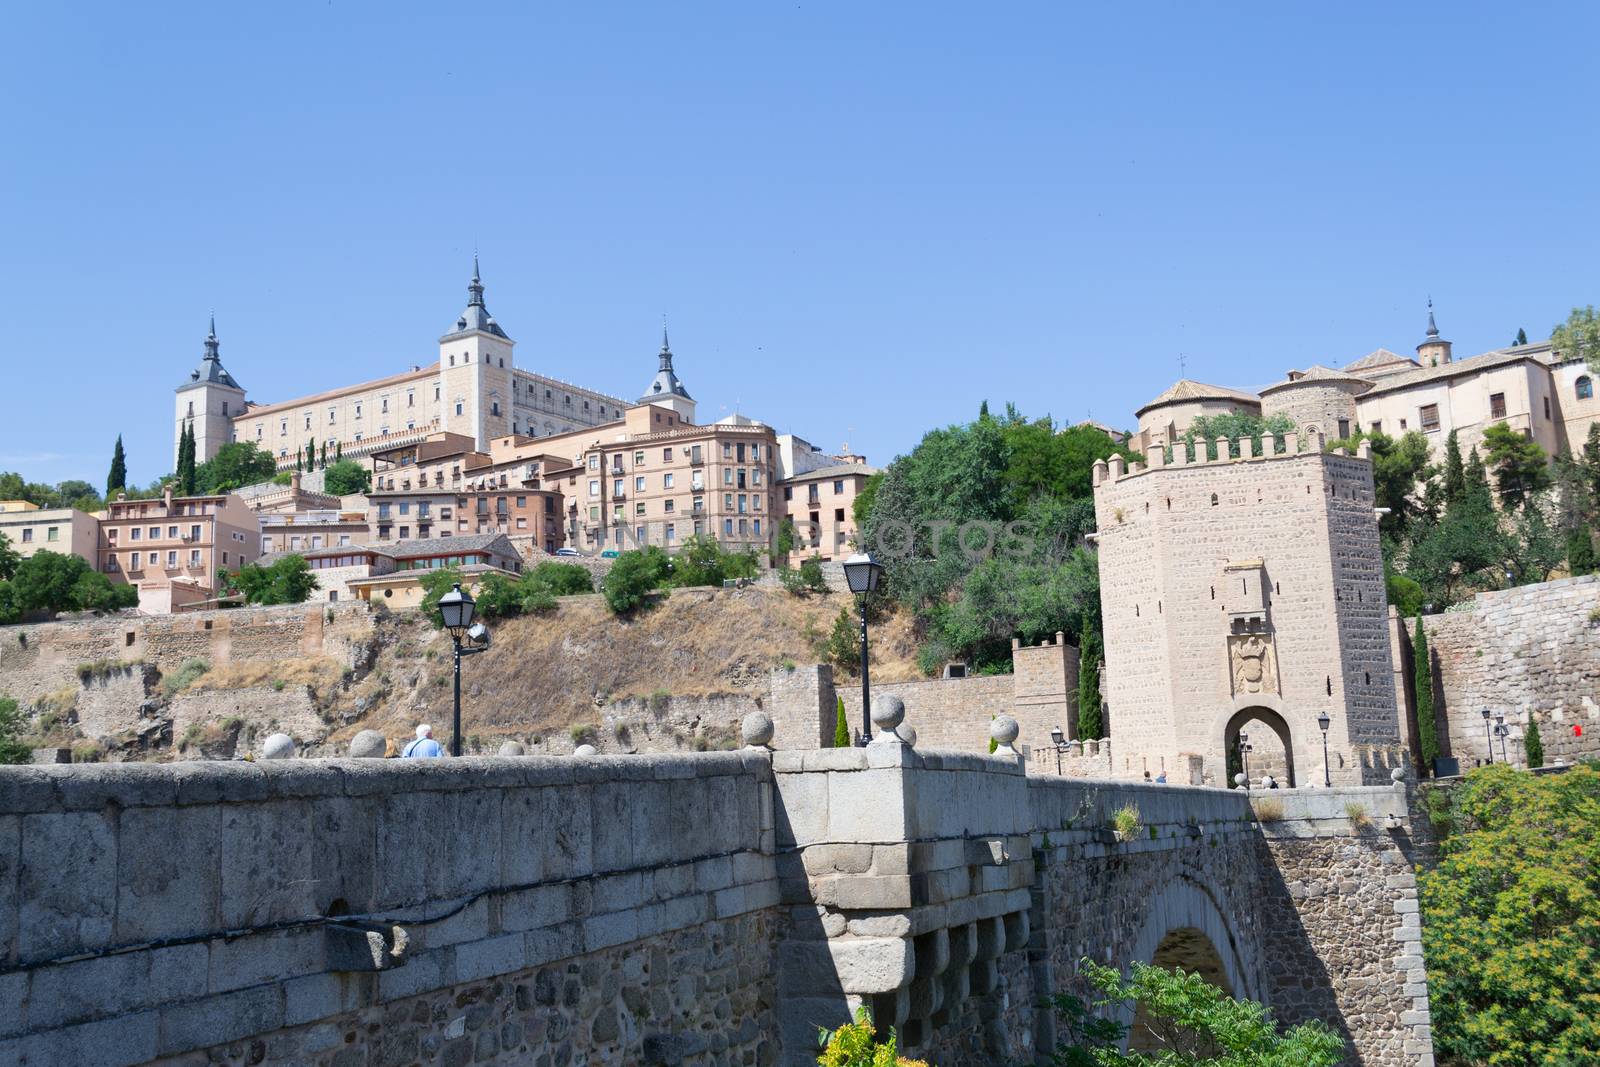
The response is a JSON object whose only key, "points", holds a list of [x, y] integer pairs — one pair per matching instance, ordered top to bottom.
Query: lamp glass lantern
{"points": [[863, 573], [455, 609], [1324, 721], [1058, 738]]}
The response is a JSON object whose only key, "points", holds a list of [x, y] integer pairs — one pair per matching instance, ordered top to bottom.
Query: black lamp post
{"points": [[863, 573], [455, 609], [1324, 722], [1501, 731], [1488, 736], [1058, 740], [1244, 755]]}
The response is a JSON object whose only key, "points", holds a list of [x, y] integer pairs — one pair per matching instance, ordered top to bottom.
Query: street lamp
{"points": [[862, 573], [455, 610], [1324, 721], [1501, 731], [1488, 737], [1058, 740], [1244, 755]]}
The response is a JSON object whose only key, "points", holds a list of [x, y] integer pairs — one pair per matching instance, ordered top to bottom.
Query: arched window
{"points": [[1585, 388]]}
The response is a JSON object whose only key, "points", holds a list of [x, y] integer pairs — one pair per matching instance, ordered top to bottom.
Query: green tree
{"points": [[1579, 336], [1522, 338], [1237, 427], [338, 451], [298, 459], [1040, 460], [236, 464], [1520, 466], [187, 471], [1455, 472], [346, 477], [118, 478], [861, 506], [784, 544], [1580, 552], [9, 559], [634, 576], [286, 580], [50, 582], [435, 584], [843, 647], [1090, 656], [1422, 697], [13, 724], [841, 727], [1533, 744], [1511, 920], [1195, 1024]]}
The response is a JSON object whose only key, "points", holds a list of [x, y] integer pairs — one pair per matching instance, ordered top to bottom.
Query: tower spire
{"points": [[475, 287], [1433, 331], [211, 340]]}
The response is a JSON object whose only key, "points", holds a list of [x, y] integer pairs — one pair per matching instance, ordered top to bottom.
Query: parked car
{"points": [[566, 551], [610, 553]]}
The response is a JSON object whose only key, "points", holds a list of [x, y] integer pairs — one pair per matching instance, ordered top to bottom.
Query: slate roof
{"points": [[477, 316], [210, 370], [1317, 373], [666, 382]]}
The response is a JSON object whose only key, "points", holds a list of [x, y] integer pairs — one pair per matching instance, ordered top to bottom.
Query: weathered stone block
{"points": [[66, 884]]}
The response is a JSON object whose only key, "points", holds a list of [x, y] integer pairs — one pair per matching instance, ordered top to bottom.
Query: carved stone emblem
{"points": [[1254, 664]]}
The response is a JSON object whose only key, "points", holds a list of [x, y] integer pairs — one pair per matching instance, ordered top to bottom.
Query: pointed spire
{"points": [[475, 287], [1433, 331], [211, 340], [665, 347], [665, 355]]}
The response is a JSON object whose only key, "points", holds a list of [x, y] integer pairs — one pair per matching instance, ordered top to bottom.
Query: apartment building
{"points": [[659, 480], [820, 505], [30, 528], [308, 531], [171, 548], [394, 578]]}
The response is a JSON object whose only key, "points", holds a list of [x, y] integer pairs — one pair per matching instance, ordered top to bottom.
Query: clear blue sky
{"points": [[860, 219]]}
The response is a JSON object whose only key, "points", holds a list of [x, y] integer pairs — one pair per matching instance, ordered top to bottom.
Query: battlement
{"points": [[1267, 448]]}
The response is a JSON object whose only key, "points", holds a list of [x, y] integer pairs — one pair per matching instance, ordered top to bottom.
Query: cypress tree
{"points": [[1522, 338], [983, 410], [338, 451], [186, 461], [299, 464], [322, 464], [1455, 474], [118, 478], [1477, 480], [1580, 552], [1422, 691], [1090, 726], [841, 727], [1532, 745]]}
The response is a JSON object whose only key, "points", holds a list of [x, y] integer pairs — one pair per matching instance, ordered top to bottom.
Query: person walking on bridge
{"points": [[424, 747]]}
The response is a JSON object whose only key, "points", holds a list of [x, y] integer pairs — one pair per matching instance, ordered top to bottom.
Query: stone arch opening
{"points": [[1258, 742], [1191, 949]]}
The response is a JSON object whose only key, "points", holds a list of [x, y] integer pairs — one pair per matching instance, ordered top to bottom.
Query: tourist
{"points": [[424, 746], [1161, 779]]}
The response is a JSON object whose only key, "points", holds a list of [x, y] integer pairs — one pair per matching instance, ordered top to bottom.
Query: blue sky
{"points": [[859, 219]]}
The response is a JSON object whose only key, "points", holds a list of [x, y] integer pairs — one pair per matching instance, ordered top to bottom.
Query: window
{"points": [[1584, 387], [459, 407], [1497, 407], [1547, 407], [494, 408], [358, 411], [333, 416], [1430, 416], [1402, 425], [1377, 426], [283, 427], [1344, 433], [666, 453], [638, 459], [594, 462], [727, 475], [666, 481], [638, 484], [838, 484], [594, 486], [616, 487], [788, 492], [669, 506], [638, 509], [838, 514], [727, 527], [758, 527], [671, 531], [172, 532], [155, 533], [194, 533], [53, 534], [133, 534], [27, 535], [153, 557], [194, 557], [172, 559]]}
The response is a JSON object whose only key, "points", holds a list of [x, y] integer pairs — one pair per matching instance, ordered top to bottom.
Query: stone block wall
{"points": [[1532, 652], [948, 713], [466, 911]]}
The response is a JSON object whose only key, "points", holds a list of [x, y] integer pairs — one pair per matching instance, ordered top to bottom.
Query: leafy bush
{"points": [[345, 478], [634, 576], [287, 580], [50, 582], [435, 584], [843, 648], [184, 676], [13, 723], [1533, 744], [1268, 809], [1356, 812], [1126, 821], [1511, 928], [1198, 1025], [856, 1045]]}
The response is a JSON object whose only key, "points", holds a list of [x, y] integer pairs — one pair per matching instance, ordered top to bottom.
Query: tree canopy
{"points": [[1579, 335], [236, 464], [346, 477], [286, 580], [49, 583], [1511, 926]]}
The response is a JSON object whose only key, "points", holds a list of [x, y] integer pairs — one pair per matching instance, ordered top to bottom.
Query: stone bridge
{"points": [[698, 909]]}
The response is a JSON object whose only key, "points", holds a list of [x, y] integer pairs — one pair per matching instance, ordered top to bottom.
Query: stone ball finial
{"points": [[888, 712], [757, 729], [1004, 730], [907, 734], [368, 744], [278, 746], [512, 748], [585, 750], [1397, 775], [1241, 781]]}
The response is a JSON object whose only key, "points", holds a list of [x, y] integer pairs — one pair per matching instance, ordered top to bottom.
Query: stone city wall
{"points": [[1532, 652], [38, 660], [951, 713]]}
